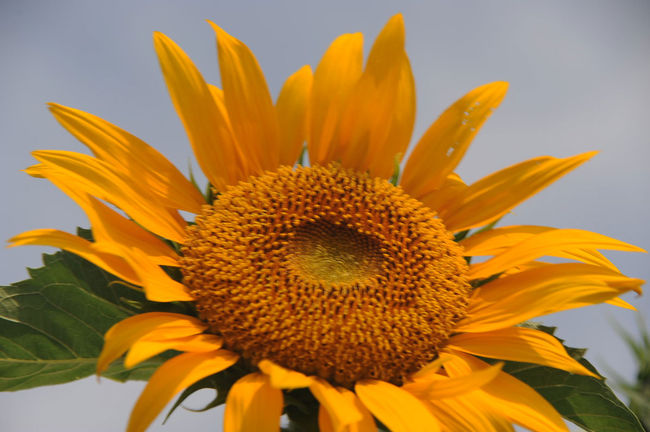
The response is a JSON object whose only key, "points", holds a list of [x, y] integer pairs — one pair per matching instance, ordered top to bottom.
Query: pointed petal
{"points": [[334, 78], [248, 101], [291, 108], [402, 121], [364, 129], [208, 131], [444, 144], [131, 158], [87, 174], [493, 196], [439, 199], [108, 226], [497, 240], [550, 242], [78, 246], [157, 284], [512, 299], [620, 303], [119, 338], [159, 341], [518, 344], [428, 370], [173, 376], [283, 378], [442, 387], [510, 397], [253, 405], [398, 409], [468, 412], [341, 413], [366, 424]]}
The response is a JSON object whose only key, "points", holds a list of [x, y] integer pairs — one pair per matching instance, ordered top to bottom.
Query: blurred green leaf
{"points": [[52, 325], [588, 402]]}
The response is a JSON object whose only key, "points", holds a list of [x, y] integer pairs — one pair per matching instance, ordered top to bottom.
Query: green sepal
{"points": [[301, 158], [394, 179]]}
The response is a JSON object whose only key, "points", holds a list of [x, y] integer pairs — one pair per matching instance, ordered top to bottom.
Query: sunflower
{"points": [[342, 277]]}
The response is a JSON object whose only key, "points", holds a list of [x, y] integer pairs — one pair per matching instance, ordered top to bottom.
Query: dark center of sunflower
{"points": [[334, 254], [328, 272]]}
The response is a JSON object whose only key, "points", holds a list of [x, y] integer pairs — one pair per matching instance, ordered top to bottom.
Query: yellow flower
{"points": [[329, 277]]}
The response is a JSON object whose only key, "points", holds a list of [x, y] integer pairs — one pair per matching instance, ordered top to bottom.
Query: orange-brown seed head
{"points": [[328, 272]]}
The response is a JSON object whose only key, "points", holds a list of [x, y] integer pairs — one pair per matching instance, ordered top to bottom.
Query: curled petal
{"points": [[444, 144], [493, 196], [119, 338], [518, 344], [173, 376], [283, 378], [253, 405], [395, 407], [341, 413]]}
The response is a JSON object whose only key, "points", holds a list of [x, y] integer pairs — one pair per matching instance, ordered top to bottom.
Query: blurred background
{"points": [[579, 74]]}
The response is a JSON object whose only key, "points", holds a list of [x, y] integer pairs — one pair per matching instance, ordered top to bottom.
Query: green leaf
{"points": [[52, 325], [588, 402]]}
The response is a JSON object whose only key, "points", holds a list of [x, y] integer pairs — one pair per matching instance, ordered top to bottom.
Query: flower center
{"points": [[334, 254], [328, 272]]}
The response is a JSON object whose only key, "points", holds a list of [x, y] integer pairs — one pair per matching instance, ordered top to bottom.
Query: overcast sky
{"points": [[579, 81]]}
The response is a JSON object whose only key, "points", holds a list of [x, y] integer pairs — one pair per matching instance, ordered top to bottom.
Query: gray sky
{"points": [[579, 81]]}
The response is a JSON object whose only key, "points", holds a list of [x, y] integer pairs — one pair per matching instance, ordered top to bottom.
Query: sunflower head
{"points": [[326, 271], [330, 277]]}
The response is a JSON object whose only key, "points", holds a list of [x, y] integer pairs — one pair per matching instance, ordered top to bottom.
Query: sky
{"points": [[579, 81]]}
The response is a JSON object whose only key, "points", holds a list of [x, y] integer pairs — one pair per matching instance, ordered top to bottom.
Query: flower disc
{"points": [[328, 272]]}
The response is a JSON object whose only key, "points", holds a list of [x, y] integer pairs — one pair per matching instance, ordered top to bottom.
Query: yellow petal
{"points": [[334, 78], [291, 108], [250, 109], [402, 121], [208, 131], [363, 134], [444, 144], [131, 157], [85, 173], [493, 196], [439, 199], [108, 226], [497, 240], [550, 242], [78, 246], [158, 286], [513, 299], [620, 303], [119, 338], [158, 341], [521, 345], [429, 370], [173, 376], [283, 378], [442, 387], [510, 397], [253, 405], [398, 409], [341, 413], [467, 413], [366, 424]]}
